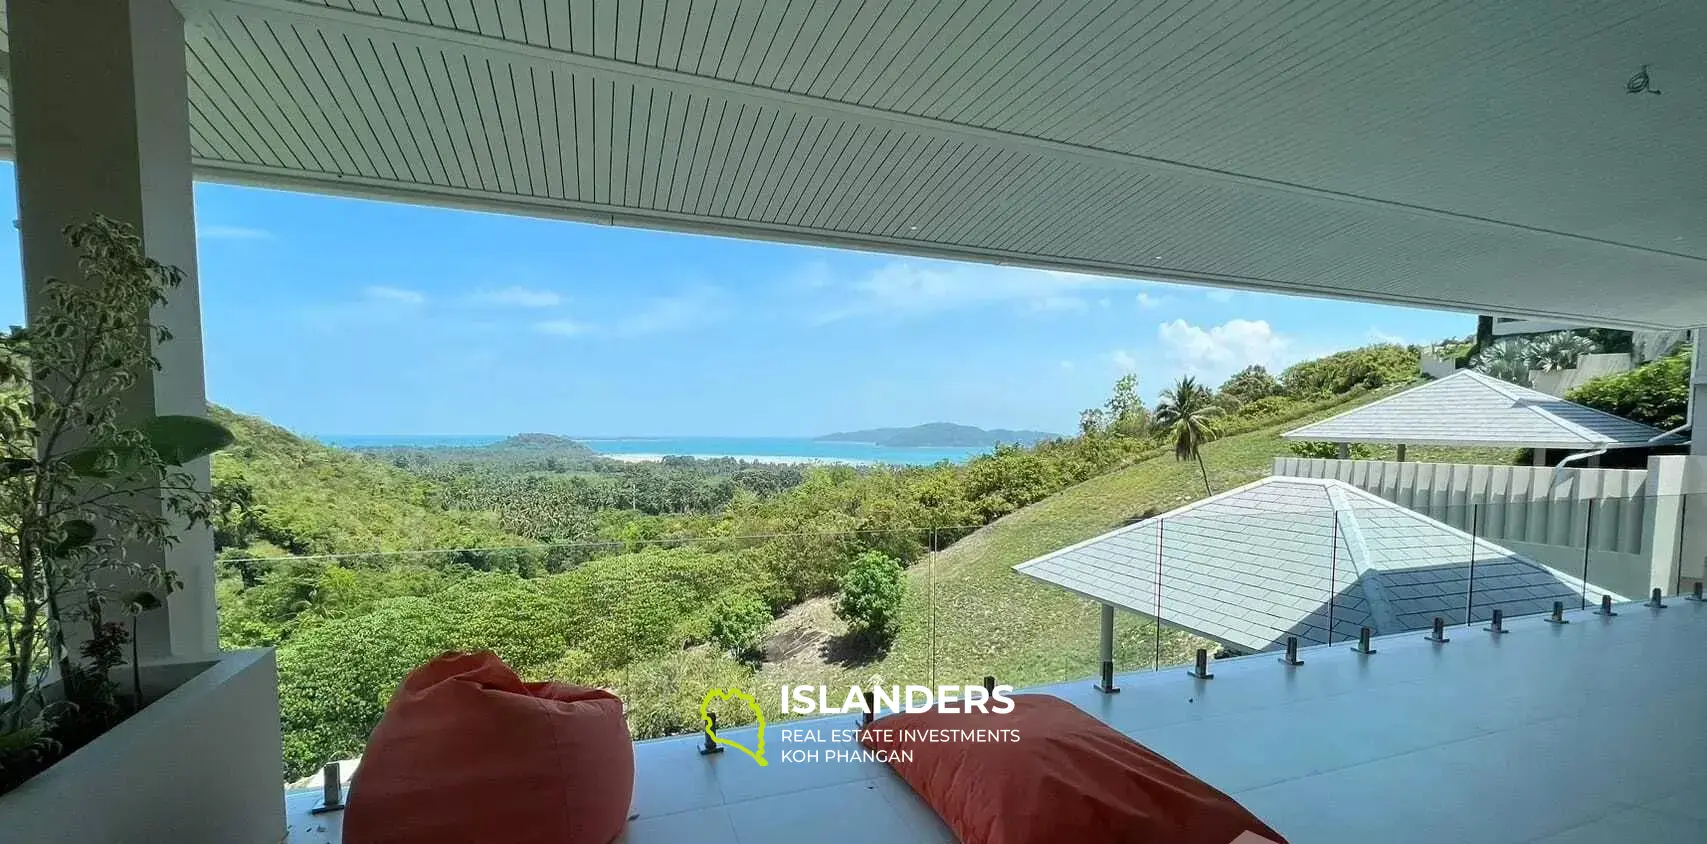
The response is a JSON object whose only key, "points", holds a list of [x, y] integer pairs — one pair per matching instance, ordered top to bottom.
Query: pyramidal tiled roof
{"points": [[1470, 408], [1300, 556]]}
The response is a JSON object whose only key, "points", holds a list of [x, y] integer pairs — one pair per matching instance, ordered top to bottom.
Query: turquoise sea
{"points": [[749, 448]]}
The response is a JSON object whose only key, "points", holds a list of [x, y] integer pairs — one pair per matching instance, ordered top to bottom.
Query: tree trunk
{"points": [[1205, 471]]}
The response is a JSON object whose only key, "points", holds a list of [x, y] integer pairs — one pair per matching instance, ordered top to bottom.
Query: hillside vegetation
{"points": [[285, 494], [659, 584], [987, 619]]}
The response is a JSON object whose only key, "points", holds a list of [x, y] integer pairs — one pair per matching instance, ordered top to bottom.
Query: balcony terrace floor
{"points": [[1584, 732]]}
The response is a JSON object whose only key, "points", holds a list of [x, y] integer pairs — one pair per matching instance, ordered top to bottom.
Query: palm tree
{"points": [[1559, 350], [1507, 360], [1187, 411]]}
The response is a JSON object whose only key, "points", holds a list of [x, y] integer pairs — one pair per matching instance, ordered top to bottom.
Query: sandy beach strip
{"points": [[750, 458]]}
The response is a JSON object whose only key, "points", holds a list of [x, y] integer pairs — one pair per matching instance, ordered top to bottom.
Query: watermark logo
{"points": [[711, 732]]}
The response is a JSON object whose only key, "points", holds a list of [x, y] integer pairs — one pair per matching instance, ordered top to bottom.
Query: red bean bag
{"points": [[467, 752], [1058, 776]]}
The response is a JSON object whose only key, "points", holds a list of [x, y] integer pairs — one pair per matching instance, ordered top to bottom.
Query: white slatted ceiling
{"points": [[1424, 103], [1436, 103]]}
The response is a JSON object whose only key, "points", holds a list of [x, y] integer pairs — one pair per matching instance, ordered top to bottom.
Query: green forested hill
{"points": [[284, 494]]}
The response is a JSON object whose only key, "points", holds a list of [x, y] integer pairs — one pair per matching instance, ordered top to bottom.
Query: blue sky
{"points": [[340, 316]]}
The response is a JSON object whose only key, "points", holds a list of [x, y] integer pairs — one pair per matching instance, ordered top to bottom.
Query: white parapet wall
{"points": [[1558, 382], [1566, 518], [199, 765]]}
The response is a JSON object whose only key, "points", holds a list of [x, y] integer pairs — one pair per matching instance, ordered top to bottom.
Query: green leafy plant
{"points": [[1341, 372], [1248, 385], [1655, 393], [1331, 451], [83, 476], [870, 600], [738, 623]]}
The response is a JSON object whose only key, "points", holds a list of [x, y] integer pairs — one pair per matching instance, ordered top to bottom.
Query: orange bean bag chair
{"points": [[467, 752], [1058, 776]]}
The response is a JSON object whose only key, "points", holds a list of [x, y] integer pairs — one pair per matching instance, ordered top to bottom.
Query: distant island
{"points": [[937, 435], [548, 452]]}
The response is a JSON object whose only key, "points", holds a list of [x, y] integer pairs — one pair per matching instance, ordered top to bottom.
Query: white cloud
{"points": [[215, 232], [906, 288], [1217, 294], [398, 295], [520, 297], [1149, 303], [1059, 304], [688, 309], [561, 327], [1376, 335], [1223, 349], [1123, 360], [1067, 366]]}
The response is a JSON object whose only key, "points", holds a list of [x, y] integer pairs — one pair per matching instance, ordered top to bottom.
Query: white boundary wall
{"points": [[1550, 515]]}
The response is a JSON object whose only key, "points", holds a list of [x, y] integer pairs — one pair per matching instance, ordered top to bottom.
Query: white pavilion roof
{"points": [[1468, 408]]}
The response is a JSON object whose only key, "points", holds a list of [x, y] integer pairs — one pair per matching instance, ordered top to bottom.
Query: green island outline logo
{"points": [[710, 733]]}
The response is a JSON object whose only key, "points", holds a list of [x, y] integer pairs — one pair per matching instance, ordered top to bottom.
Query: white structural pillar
{"points": [[101, 118], [1692, 551]]}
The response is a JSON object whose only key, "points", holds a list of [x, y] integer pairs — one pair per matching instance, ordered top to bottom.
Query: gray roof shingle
{"points": [[1469, 408], [1288, 556]]}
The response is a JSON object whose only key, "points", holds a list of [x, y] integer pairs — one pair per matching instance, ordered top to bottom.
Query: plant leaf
{"points": [[180, 439], [94, 462], [12, 467], [78, 533], [141, 602]]}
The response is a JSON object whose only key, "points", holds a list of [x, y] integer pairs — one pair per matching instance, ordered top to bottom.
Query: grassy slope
{"points": [[989, 620]]}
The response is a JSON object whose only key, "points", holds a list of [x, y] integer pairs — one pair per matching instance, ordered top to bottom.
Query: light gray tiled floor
{"points": [[1586, 732]]}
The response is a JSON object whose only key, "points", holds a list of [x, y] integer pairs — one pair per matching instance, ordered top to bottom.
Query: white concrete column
{"points": [[101, 117], [1697, 392], [1665, 514]]}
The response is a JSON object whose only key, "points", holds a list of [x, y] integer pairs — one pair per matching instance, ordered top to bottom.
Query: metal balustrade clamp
{"points": [[1695, 593], [1655, 601], [1605, 607], [1558, 614], [1496, 625], [1437, 635], [1362, 645], [1291, 657], [1201, 671], [709, 747], [332, 789]]}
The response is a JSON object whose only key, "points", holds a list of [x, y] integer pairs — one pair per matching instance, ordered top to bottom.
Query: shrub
{"points": [[1370, 366], [1250, 384], [1656, 393], [1268, 406], [1331, 451], [870, 601], [738, 623], [336, 678], [662, 696]]}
